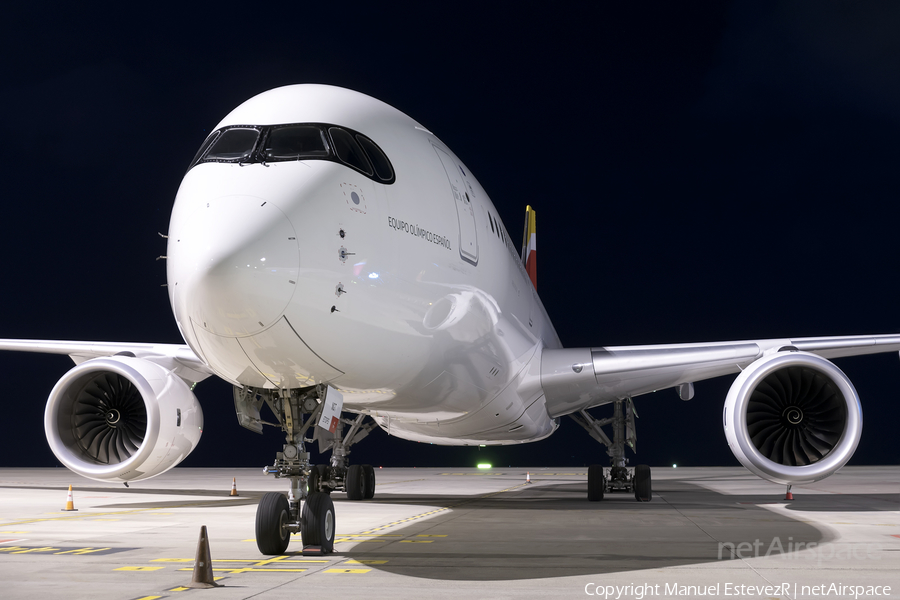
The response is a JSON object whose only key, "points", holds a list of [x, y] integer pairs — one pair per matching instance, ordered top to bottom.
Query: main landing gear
{"points": [[619, 479], [308, 508]]}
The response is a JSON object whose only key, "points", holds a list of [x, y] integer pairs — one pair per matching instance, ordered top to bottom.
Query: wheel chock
{"points": [[313, 551]]}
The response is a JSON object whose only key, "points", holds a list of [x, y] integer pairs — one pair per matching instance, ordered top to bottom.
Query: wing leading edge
{"points": [[178, 358], [579, 378]]}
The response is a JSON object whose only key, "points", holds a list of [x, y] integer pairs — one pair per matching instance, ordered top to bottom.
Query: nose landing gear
{"points": [[308, 508]]}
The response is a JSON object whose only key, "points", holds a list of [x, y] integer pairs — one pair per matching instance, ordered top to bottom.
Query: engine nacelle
{"points": [[793, 417], [122, 419]]}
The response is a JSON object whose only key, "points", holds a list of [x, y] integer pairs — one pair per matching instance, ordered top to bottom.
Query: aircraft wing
{"points": [[178, 358], [579, 378]]}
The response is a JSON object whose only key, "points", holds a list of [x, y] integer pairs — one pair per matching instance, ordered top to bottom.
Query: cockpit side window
{"points": [[209, 140], [294, 142], [233, 145], [349, 151], [381, 163]]}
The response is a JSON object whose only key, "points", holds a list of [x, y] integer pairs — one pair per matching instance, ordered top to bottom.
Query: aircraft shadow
{"points": [[550, 530]]}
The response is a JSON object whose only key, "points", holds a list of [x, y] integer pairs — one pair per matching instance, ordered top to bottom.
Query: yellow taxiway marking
{"points": [[402, 481], [435, 511], [85, 515], [2, 532], [369, 535], [431, 535], [416, 541], [27, 549], [241, 560], [364, 562], [139, 569], [238, 570], [346, 570], [179, 589], [148, 597]]}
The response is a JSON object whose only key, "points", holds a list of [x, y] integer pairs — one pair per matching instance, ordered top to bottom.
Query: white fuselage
{"points": [[408, 297]]}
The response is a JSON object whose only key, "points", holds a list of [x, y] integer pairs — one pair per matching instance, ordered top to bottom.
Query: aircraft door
{"points": [[465, 211]]}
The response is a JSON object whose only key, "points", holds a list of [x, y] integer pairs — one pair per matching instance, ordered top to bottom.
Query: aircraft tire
{"points": [[317, 474], [355, 482], [369, 482], [595, 483], [642, 491], [272, 514], [317, 524]]}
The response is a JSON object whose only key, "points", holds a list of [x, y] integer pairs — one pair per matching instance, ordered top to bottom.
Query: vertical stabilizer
{"points": [[529, 245]]}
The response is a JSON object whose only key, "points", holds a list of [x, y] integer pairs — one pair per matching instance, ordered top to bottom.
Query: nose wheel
{"points": [[273, 518], [317, 524]]}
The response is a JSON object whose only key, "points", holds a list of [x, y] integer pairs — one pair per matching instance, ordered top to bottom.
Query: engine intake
{"points": [[793, 417], [121, 419]]}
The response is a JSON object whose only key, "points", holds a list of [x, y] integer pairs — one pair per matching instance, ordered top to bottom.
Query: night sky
{"points": [[701, 172]]}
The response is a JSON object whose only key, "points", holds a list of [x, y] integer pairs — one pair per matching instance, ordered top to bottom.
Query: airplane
{"points": [[336, 262]]}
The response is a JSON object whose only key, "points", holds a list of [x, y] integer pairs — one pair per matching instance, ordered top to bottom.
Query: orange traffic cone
{"points": [[527, 477], [234, 487], [789, 495], [70, 504]]}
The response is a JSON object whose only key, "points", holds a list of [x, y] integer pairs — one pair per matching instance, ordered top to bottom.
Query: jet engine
{"points": [[792, 417], [122, 418]]}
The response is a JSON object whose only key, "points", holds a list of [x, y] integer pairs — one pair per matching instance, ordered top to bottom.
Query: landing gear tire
{"points": [[319, 473], [368, 482], [355, 483], [595, 483], [642, 491], [272, 517], [317, 522]]}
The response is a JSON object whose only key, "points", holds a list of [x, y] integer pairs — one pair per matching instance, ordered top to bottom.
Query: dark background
{"points": [[701, 171]]}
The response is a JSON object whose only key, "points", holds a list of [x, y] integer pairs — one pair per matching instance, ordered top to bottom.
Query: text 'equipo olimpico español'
{"points": [[417, 231]]}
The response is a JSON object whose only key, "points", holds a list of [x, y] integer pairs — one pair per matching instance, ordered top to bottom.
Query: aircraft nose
{"points": [[235, 264]]}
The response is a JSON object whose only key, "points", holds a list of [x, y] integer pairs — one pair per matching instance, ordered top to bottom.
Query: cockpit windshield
{"points": [[297, 141], [294, 142], [234, 145]]}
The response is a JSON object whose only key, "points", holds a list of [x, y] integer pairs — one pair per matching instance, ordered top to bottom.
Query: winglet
{"points": [[529, 245]]}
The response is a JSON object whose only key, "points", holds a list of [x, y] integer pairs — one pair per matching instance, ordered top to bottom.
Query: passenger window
{"points": [[296, 142], [233, 145], [349, 151], [379, 160]]}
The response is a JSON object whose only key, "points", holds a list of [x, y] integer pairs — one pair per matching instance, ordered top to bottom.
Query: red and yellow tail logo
{"points": [[529, 245]]}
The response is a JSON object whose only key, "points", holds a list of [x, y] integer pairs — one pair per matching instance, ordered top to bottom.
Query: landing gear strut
{"points": [[619, 479], [308, 508]]}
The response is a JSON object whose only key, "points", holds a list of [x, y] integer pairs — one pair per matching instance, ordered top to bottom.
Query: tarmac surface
{"points": [[451, 533]]}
